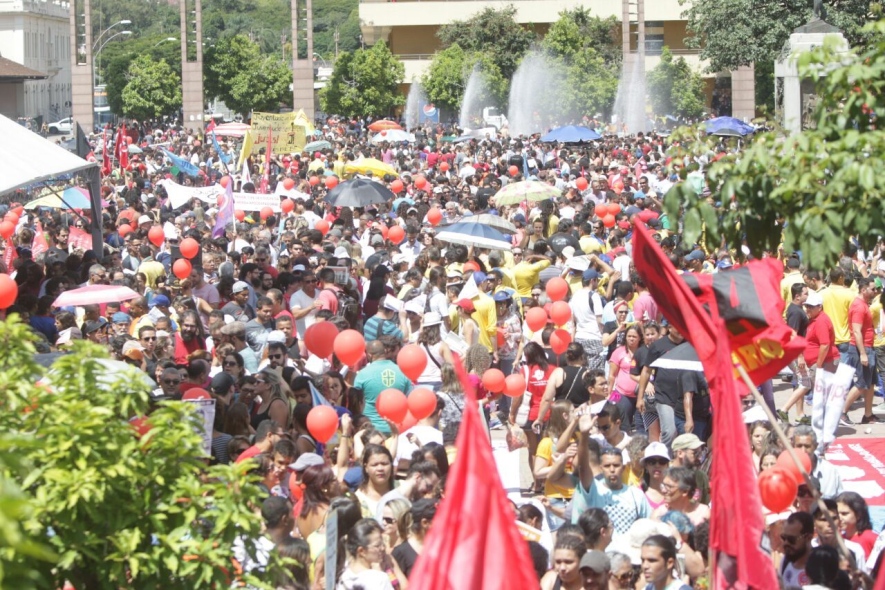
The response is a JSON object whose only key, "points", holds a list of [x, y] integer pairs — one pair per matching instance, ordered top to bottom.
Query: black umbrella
{"points": [[359, 192], [682, 358]]}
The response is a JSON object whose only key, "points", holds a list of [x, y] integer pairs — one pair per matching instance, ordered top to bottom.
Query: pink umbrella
{"points": [[232, 129], [94, 295]]}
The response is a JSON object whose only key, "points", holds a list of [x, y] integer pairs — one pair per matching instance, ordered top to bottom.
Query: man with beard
{"points": [[59, 251], [251, 275], [238, 307], [258, 328], [190, 338], [796, 535]]}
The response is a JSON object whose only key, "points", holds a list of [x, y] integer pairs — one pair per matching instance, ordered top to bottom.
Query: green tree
{"points": [[576, 30], [493, 32], [116, 58], [237, 73], [446, 79], [365, 82], [591, 84], [674, 88], [152, 90], [815, 189], [120, 509]]}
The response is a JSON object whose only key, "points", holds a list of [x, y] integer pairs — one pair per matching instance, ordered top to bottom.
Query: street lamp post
{"points": [[158, 43], [95, 54], [325, 65]]}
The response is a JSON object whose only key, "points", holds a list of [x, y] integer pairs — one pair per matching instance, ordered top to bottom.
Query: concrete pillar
{"points": [[81, 63], [302, 69], [743, 93], [192, 106]]}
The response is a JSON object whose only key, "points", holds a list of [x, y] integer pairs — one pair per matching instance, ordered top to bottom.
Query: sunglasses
{"points": [[148, 338], [275, 356], [229, 363], [171, 382], [605, 428], [657, 461], [804, 492], [388, 520], [790, 538]]}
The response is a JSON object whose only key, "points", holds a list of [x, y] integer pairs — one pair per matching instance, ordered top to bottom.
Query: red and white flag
{"points": [[39, 245]]}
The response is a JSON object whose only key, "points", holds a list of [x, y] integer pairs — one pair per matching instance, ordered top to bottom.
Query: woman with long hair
{"points": [[378, 288], [231, 362], [566, 382], [621, 383], [334, 387], [452, 393], [274, 394], [525, 408], [236, 420], [758, 431], [554, 460], [655, 461], [634, 471], [378, 477], [320, 486], [854, 516], [420, 517], [395, 520], [597, 527], [366, 558]]}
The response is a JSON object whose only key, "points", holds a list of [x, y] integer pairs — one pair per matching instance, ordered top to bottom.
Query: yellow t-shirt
{"points": [[526, 275], [786, 283], [837, 300], [876, 310], [486, 317], [552, 490]]}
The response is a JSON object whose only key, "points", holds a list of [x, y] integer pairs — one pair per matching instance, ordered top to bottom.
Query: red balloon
{"points": [[128, 140], [444, 166], [513, 170], [225, 180], [313, 180], [420, 181], [331, 182], [582, 183], [288, 184], [397, 186], [287, 205], [613, 208], [18, 210], [601, 210], [265, 213], [240, 215], [434, 216], [12, 217], [608, 221], [323, 226], [7, 228], [383, 229], [124, 230], [396, 234], [156, 236], [189, 248], [182, 268], [557, 289], [8, 291], [560, 313], [536, 318], [320, 338], [559, 340], [349, 347], [412, 361], [493, 380], [514, 385], [196, 393], [422, 403], [392, 404], [322, 422], [407, 422], [140, 425], [785, 462], [777, 488], [296, 490]]}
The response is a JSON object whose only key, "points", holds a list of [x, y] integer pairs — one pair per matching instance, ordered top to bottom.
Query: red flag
{"points": [[211, 126], [124, 150], [106, 162], [39, 245], [9, 255], [737, 528], [484, 551]]}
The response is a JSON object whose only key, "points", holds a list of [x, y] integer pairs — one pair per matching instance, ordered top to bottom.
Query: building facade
{"points": [[36, 34]]}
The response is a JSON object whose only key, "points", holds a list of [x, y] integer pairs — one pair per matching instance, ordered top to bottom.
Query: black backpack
{"points": [[348, 307]]}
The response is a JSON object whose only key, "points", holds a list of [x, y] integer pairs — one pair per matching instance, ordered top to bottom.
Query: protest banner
{"points": [[288, 132], [180, 195], [256, 202], [206, 409]]}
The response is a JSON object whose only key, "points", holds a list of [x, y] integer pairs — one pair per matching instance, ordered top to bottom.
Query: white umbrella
{"points": [[393, 135]]}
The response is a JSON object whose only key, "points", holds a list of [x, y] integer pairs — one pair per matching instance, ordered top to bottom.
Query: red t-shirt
{"points": [[859, 313], [820, 333], [183, 349], [536, 384], [248, 454]]}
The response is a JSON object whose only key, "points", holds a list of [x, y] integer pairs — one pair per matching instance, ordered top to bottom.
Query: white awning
{"points": [[26, 158]]}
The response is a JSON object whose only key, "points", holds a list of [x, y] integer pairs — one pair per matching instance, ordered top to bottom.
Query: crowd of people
{"points": [[617, 447]]}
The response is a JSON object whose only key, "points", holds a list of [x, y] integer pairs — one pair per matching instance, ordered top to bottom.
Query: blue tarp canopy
{"points": [[728, 126], [571, 134]]}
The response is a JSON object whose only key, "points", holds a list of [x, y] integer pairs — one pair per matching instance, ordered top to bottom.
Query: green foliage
{"points": [[330, 15], [577, 30], [492, 32], [116, 58], [236, 72], [446, 79], [365, 82], [591, 84], [674, 88], [153, 89], [823, 182], [119, 511]]}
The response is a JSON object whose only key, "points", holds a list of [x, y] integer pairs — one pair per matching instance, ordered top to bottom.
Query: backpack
{"points": [[348, 307]]}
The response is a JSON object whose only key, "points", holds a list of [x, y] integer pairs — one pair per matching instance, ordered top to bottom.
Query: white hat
{"points": [[144, 219], [341, 252], [568, 252], [580, 264], [814, 299], [392, 303], [415, 305], [432, 318], [276, 336], [755, 414], [656, 449], [630, 543]]}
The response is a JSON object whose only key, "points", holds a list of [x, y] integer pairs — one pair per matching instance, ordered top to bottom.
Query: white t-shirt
{"points": [[301, 300], [586, 324], [424, 434], [794, 578]]}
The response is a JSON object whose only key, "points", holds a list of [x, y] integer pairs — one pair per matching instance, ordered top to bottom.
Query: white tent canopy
{"points": [[26, 158]]}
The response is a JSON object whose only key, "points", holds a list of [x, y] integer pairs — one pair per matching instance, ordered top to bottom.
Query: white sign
{"points": [[180, 195], [256, 202], [206, 409]]}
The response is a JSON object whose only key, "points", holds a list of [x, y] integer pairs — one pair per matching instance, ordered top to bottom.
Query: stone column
{"points": [[81, 64], [302, 69], [743, 93], [192, 106]]}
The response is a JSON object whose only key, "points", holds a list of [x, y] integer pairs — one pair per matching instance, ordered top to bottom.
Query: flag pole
{"points": [[782, 436]]}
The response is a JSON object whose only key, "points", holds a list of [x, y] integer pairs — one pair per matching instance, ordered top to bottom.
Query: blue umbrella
{"points": [[728, 126], [571, 134], [474, 234]]}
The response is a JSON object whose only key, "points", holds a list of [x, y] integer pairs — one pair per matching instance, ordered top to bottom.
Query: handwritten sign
{"points": [[289, 134], [206, 411]]}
